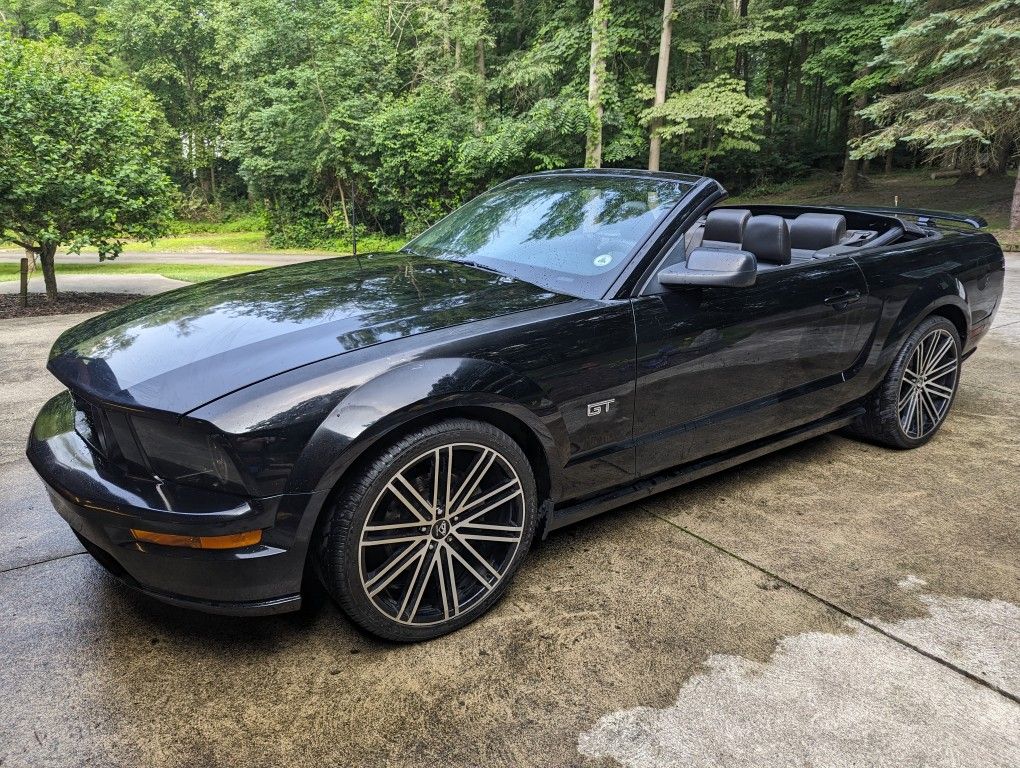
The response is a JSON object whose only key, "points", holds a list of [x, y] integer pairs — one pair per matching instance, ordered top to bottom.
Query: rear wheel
{"points": [[912, 402], [428, 537]]}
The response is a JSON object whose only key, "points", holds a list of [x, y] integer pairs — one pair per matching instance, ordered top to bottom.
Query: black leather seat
{"points": [[724, 228], [814, 231], [768, 238]]}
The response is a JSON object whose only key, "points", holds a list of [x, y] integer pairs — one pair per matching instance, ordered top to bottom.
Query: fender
{"points": [[937, 292], [900, 316], [383, 404]]}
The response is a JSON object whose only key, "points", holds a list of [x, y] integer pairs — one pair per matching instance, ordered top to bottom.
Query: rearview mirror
{"points": [[713, 266]]}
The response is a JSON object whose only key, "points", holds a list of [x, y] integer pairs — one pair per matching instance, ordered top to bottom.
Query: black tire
{"points": [[883, 420], [354, 561]]}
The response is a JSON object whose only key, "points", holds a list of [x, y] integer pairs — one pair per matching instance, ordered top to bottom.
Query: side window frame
{"points": [[677, 238]]}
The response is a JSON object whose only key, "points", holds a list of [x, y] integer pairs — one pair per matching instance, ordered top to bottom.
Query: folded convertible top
{"points": [[925, 218]]}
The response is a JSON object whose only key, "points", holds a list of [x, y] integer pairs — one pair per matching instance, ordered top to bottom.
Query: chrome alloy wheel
{"points": [[928, 384], [441, 534]]}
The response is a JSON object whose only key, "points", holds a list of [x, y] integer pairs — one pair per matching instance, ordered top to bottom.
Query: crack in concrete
{"points": [[42, 562], [841, 610]]}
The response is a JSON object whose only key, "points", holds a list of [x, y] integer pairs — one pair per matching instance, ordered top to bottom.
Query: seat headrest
{"points": [[726, 224], [814, 231], [768, 238]]}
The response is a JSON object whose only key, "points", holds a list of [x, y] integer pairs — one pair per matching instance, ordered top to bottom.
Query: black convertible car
{"points": [[404, 425]]}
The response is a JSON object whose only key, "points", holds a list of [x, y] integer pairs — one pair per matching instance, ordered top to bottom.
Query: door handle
{"points": [[842, 298]]}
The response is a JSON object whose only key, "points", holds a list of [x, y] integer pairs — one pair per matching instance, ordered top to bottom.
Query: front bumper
{"points": [[101, 504]]}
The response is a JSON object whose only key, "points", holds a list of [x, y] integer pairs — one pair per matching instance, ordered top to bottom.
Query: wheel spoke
{"points": [[926, 347], [937, 358], [916, 363], [942, 370], [939, 390], [905, 399], [929, 408], [907, 419], [437, 473], [474, 477], [410, 489], [482, 499], [407, 504], [490, 527], [393, 533], [490, 537], [392, 540], [474, 553], [440, 560], [396, 565], [470, 568], [453, 580], [419, 591]]}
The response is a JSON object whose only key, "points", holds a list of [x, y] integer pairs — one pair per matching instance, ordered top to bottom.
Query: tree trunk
{"points": [[445, 11], [739, 57], [596, 76], [661, 76], [480, 96], [855, 129], [999, 158], [888, 160], [968, 162], [212, 167], [1014, 210], [46, 260]]}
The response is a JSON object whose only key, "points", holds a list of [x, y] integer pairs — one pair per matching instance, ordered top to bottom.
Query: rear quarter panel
{"points": [[909, 281]]}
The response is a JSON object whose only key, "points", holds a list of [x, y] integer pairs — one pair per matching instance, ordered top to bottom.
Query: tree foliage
{"points": [[957, 68], [388, 113], [79, 162]]}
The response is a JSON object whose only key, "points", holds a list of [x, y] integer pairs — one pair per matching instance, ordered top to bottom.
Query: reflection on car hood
{"points": [[178, 350]]}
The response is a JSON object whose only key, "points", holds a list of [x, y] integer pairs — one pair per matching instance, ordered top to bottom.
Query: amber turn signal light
{"points": [[230, 541]]}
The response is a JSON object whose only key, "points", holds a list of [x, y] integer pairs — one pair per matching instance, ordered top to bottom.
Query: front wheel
{"points": [[912, 402], [429, 535]]}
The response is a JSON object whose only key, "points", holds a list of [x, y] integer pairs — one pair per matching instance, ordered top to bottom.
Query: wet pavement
{"points": [[832, 604]]}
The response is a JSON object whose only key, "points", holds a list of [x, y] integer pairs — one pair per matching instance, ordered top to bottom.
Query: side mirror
{"points": [[713, 266]]}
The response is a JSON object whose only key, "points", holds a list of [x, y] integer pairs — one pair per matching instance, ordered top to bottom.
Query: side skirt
{"points": [[664, 481]]}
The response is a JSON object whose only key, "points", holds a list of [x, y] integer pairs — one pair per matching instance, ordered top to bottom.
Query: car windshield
{"points": [[570, 234]]}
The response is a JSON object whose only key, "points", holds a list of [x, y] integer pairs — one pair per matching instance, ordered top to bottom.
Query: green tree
{"points": [[852, 32], [169, 47], [956, 66], [713, 119], [78, 157]]}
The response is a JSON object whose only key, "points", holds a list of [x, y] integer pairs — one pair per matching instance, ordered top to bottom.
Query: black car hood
{"points": [[178, 350]]}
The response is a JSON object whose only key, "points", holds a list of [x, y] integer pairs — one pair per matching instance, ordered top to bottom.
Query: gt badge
{"points": [[602, 406]]}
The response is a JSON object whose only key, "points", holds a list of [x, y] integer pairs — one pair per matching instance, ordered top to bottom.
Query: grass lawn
{"points": [[208, 242], [250, 242], [191, 273]]}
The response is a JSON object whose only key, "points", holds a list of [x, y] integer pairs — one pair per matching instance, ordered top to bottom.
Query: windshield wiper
{"points": [[478, 265]]}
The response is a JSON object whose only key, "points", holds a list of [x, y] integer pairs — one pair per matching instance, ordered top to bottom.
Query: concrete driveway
{"points": [[833, 604]]}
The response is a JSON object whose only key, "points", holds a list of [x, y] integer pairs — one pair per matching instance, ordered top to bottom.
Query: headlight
{"points": [[187, 454]]}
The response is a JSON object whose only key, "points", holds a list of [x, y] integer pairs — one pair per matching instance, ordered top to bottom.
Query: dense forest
{"points": [[391, 112]]}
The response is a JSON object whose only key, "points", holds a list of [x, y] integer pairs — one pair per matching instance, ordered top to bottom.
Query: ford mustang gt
{"points": [[403, 426]]}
